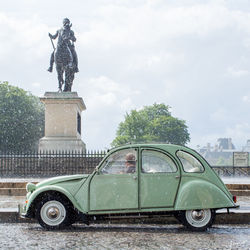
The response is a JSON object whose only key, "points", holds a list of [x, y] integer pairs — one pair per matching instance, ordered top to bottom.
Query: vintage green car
{"points": [[133, 181]]}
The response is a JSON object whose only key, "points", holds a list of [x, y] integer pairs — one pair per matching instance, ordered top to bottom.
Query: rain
{"points": [[179, 178]]}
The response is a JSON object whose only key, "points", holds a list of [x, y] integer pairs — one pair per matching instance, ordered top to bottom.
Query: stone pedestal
{"points": [[62, 122]]}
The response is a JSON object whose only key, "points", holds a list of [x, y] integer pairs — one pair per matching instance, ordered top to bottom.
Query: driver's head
{"points": [[130, 159]]}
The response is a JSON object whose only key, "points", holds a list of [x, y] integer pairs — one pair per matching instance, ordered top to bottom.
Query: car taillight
{"points": [[234, 198]]}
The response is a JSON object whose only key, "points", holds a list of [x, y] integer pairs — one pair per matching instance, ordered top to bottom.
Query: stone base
{"points": [[62, 122], [65, 144]]}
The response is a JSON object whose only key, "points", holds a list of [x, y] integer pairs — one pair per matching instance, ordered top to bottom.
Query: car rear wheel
{"points": [[54, 212], [198, 220]]}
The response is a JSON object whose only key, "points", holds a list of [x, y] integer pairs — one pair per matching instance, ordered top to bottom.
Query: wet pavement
{"points": [[236, 180], [30, 236]]}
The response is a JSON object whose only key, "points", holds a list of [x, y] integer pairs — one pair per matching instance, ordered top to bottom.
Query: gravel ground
{"points": [[30, 236]]}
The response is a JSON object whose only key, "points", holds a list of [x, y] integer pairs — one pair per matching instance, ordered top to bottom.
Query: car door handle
{"points": [[134, 177], [177, 177]]}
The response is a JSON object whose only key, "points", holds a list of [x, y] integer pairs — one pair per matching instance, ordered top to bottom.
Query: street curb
{"points": [[9, 216], [12, 216], [233, 218]]}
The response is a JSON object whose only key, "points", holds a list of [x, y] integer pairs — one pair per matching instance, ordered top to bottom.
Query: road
{"points": [[32, 236]]}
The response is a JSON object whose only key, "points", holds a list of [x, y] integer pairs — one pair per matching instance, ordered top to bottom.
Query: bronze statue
{"points": [[64, 55]]}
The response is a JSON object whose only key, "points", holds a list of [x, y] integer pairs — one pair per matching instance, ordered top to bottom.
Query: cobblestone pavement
{"points": [[32, 236]]}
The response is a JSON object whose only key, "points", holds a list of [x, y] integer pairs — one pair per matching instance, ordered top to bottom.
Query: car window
{"points": [[121, 162], [157, 162], [189, 162]]}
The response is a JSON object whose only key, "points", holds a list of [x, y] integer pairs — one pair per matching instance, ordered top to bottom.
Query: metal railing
{"points": [[36, 164], [231, 171]]}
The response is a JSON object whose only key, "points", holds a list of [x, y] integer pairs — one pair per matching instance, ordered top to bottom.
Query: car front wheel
{"points": [[53, 213], [198, 220]]}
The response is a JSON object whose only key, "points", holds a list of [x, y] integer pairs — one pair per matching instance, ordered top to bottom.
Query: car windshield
{"points": [[121, 162]]}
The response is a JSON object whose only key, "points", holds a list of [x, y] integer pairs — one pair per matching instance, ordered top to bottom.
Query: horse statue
{"points": [[64, 56], [64, 66]]}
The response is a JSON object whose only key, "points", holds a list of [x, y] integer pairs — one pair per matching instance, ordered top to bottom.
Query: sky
{"points": [[192, 55]]}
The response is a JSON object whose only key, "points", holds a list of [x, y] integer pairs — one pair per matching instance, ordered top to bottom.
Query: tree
{"points": [[21, 119], [151, 124]]}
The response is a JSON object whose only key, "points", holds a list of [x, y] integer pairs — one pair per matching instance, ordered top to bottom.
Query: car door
{"points": [[159, 179], [115, 185]]}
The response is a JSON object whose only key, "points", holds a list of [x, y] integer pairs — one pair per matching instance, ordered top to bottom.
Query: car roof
{"points": [[167, 147]]}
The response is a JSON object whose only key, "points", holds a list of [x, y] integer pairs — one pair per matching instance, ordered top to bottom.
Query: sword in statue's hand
{"points": [[50, 36]]}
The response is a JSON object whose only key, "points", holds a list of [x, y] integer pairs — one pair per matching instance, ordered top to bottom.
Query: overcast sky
{"points": [[192, 55]]}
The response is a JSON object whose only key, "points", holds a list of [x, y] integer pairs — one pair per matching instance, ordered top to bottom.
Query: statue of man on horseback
{"points": [[64, 56]]}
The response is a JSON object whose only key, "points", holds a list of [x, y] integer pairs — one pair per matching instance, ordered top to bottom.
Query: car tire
{"points": [[54, 212], [197, 220]]}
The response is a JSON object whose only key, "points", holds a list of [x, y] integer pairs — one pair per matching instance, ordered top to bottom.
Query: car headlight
{"points": [[30, 187]]}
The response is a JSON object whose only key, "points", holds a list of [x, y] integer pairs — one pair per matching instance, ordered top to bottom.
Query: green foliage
{"points": [[21, 119], [151, 124]]}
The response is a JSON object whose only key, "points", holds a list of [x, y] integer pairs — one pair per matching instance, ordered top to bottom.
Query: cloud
{"points": [[148, 23], [22, 35], [157, 62], [237, 72], [36, 84], [104, 84], [105, 92], [246, 98], [106, 101], [220, 115], [239, 133]]}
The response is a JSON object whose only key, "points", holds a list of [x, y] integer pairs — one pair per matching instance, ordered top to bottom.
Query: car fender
{"points": [[50, 188], [201, 194]]}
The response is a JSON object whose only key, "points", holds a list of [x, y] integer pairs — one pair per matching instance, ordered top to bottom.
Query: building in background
{"points": [[246, 148], [219, 154]]}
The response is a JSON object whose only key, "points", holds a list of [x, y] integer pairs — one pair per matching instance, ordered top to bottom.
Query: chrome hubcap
{"points": [[53, 213], [198, 214], [198, 218]]}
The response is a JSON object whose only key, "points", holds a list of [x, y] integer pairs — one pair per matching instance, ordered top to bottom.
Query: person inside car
{"points": [[130, 163]]}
